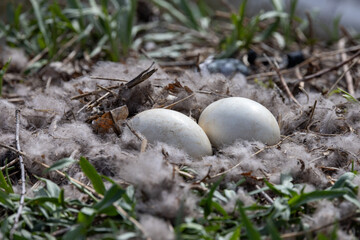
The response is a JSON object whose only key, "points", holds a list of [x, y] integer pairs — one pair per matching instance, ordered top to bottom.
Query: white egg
{"points": [[233, 118], [173, 128]]}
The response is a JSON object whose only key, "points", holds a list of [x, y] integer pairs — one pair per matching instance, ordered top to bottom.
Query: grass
{"points": [[92, 27], [2, 73], [49, 215]]}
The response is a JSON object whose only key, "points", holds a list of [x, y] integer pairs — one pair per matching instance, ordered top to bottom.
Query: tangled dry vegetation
{"points": [[73, 109]]}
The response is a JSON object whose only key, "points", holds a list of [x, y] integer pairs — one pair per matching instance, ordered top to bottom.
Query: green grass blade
{"points": [[190, 14], [179, 16], [40, 21], [2, 73], [62, 163], [93, 175], [4, 184], [52, 188], [110, 197], [304, 198], [6, 201], [208, 201], [272, 230], [251, 231], [236, 234]]}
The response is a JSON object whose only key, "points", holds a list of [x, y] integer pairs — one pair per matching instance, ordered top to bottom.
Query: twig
{"points": [[307, 61], [189, 63], [327, 70], [141, 77], [341, 77], [348, 77], [108, 79], [282, 80], [132, 83], [106, 89], [93, 92], [177, 102], [311, 113], [144, 141], [12, 149], [252, 155], [9, 164], [22, 168], [265, 195], [120, 209], [302, 233]]}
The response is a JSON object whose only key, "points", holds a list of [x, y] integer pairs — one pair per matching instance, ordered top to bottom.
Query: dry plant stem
{"points": [[35, 59], [307, 61], [190, 63], [327, 70], [142, 76], [348, 77], [108, 79], [339, 79], [283, 82], [106, 89], [93, 92], [98, 100], [177, 102], [311, 114], [143, 140], [12, 149], [252, 155], [10, 164], [22, 168], [267, 197], [120, 209], [293, 235]]}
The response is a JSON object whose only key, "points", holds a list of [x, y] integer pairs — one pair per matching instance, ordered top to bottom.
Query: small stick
{"points": [[307, 61], [189, 63], [327, 70], [141, 77], [348, 77], [108, 79], [338, 80], [283, 82], [106, 89], [93, 92], [98, 100], [177, 102], [311, 114], [143, 140], [12, 149], [254, 154], [9, 164], [22, 168], [265, 195], [120, 209], [294, 235]]}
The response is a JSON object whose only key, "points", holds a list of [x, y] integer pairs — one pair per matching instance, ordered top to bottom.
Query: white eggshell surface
{"points": [[230, 119], [173, 128]]}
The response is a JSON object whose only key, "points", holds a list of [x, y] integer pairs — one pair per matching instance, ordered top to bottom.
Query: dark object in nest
{"points": [[294, 58], [227, 66]]}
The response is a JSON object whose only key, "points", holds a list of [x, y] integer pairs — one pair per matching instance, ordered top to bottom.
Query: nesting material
{"points": [[230, 119], [173, 128]]}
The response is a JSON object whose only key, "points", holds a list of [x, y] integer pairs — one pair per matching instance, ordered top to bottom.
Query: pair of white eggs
{"points": [[221, 123]]}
